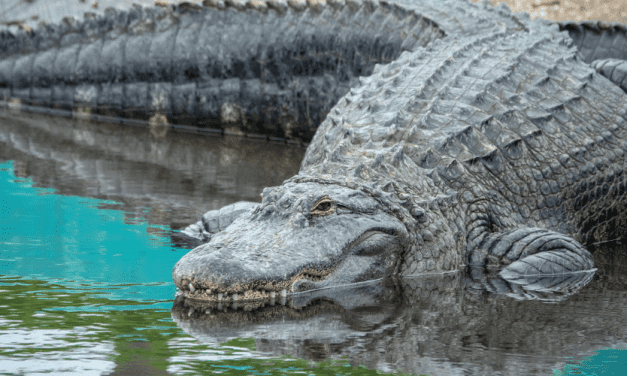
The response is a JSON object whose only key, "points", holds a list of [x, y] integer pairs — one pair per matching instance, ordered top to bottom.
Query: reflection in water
{"points": [[170, 181], [438, 325], [45, 328]]}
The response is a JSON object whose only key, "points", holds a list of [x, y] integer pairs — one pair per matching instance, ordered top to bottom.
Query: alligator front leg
{"points": [[215, 221], [529, 252]]}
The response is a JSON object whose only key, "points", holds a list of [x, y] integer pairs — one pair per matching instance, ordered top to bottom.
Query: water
{"points": [[88, 220]]}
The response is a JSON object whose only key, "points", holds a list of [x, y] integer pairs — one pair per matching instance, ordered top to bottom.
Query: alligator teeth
{"points": [[206, 294], [234, 306], [208, 311], [191, 312]]}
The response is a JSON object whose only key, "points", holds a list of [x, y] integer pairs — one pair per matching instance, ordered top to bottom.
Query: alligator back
{"points": [[514, 126]]}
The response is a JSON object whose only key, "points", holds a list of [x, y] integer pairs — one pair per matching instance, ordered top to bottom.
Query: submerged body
{"points": [[491, 141]]}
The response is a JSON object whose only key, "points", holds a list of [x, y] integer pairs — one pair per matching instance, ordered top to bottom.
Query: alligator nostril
{"points": [[268, 211]]}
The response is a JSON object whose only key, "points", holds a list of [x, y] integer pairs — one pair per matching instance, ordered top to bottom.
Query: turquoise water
{"points": [[68, 240], [605, 362]]}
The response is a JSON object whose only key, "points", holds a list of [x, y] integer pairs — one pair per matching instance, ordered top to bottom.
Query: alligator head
{"points": [[303, 236]]}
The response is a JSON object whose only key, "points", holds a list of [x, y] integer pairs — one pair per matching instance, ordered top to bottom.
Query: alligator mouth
{"points": [[370, 242], [267, 292], [301, 305]]}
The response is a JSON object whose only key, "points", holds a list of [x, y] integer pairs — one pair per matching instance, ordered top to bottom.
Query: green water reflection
{"points": [[83, 291]]}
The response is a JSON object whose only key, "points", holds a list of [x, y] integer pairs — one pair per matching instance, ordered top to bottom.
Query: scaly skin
{"points": [[499, 149]]}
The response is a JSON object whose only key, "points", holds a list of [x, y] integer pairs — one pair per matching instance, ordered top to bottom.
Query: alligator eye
{"points": [[324, 206]]}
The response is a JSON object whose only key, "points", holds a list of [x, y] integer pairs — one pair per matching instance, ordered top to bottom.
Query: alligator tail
{"points": [[598, 40], [260, 67]]}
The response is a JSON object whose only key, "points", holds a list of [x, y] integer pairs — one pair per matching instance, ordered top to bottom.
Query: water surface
{"points": [[88, 220]]}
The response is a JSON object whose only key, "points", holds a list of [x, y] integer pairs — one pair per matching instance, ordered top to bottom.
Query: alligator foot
{"points": [[530, 252], [556, 262], [527, 287]]}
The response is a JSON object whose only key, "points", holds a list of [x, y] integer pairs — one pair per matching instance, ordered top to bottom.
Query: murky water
{"points": [[88, 220]]}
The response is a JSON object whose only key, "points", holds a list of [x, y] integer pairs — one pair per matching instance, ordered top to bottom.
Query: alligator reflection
{"points": [[178, 177], [463, 323]]}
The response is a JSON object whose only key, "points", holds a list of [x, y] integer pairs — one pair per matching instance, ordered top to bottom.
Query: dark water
{"points": [[88, 220]]}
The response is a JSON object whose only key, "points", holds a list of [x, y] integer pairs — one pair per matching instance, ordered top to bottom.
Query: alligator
{"points": [[485, 138], [497, 146]]}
